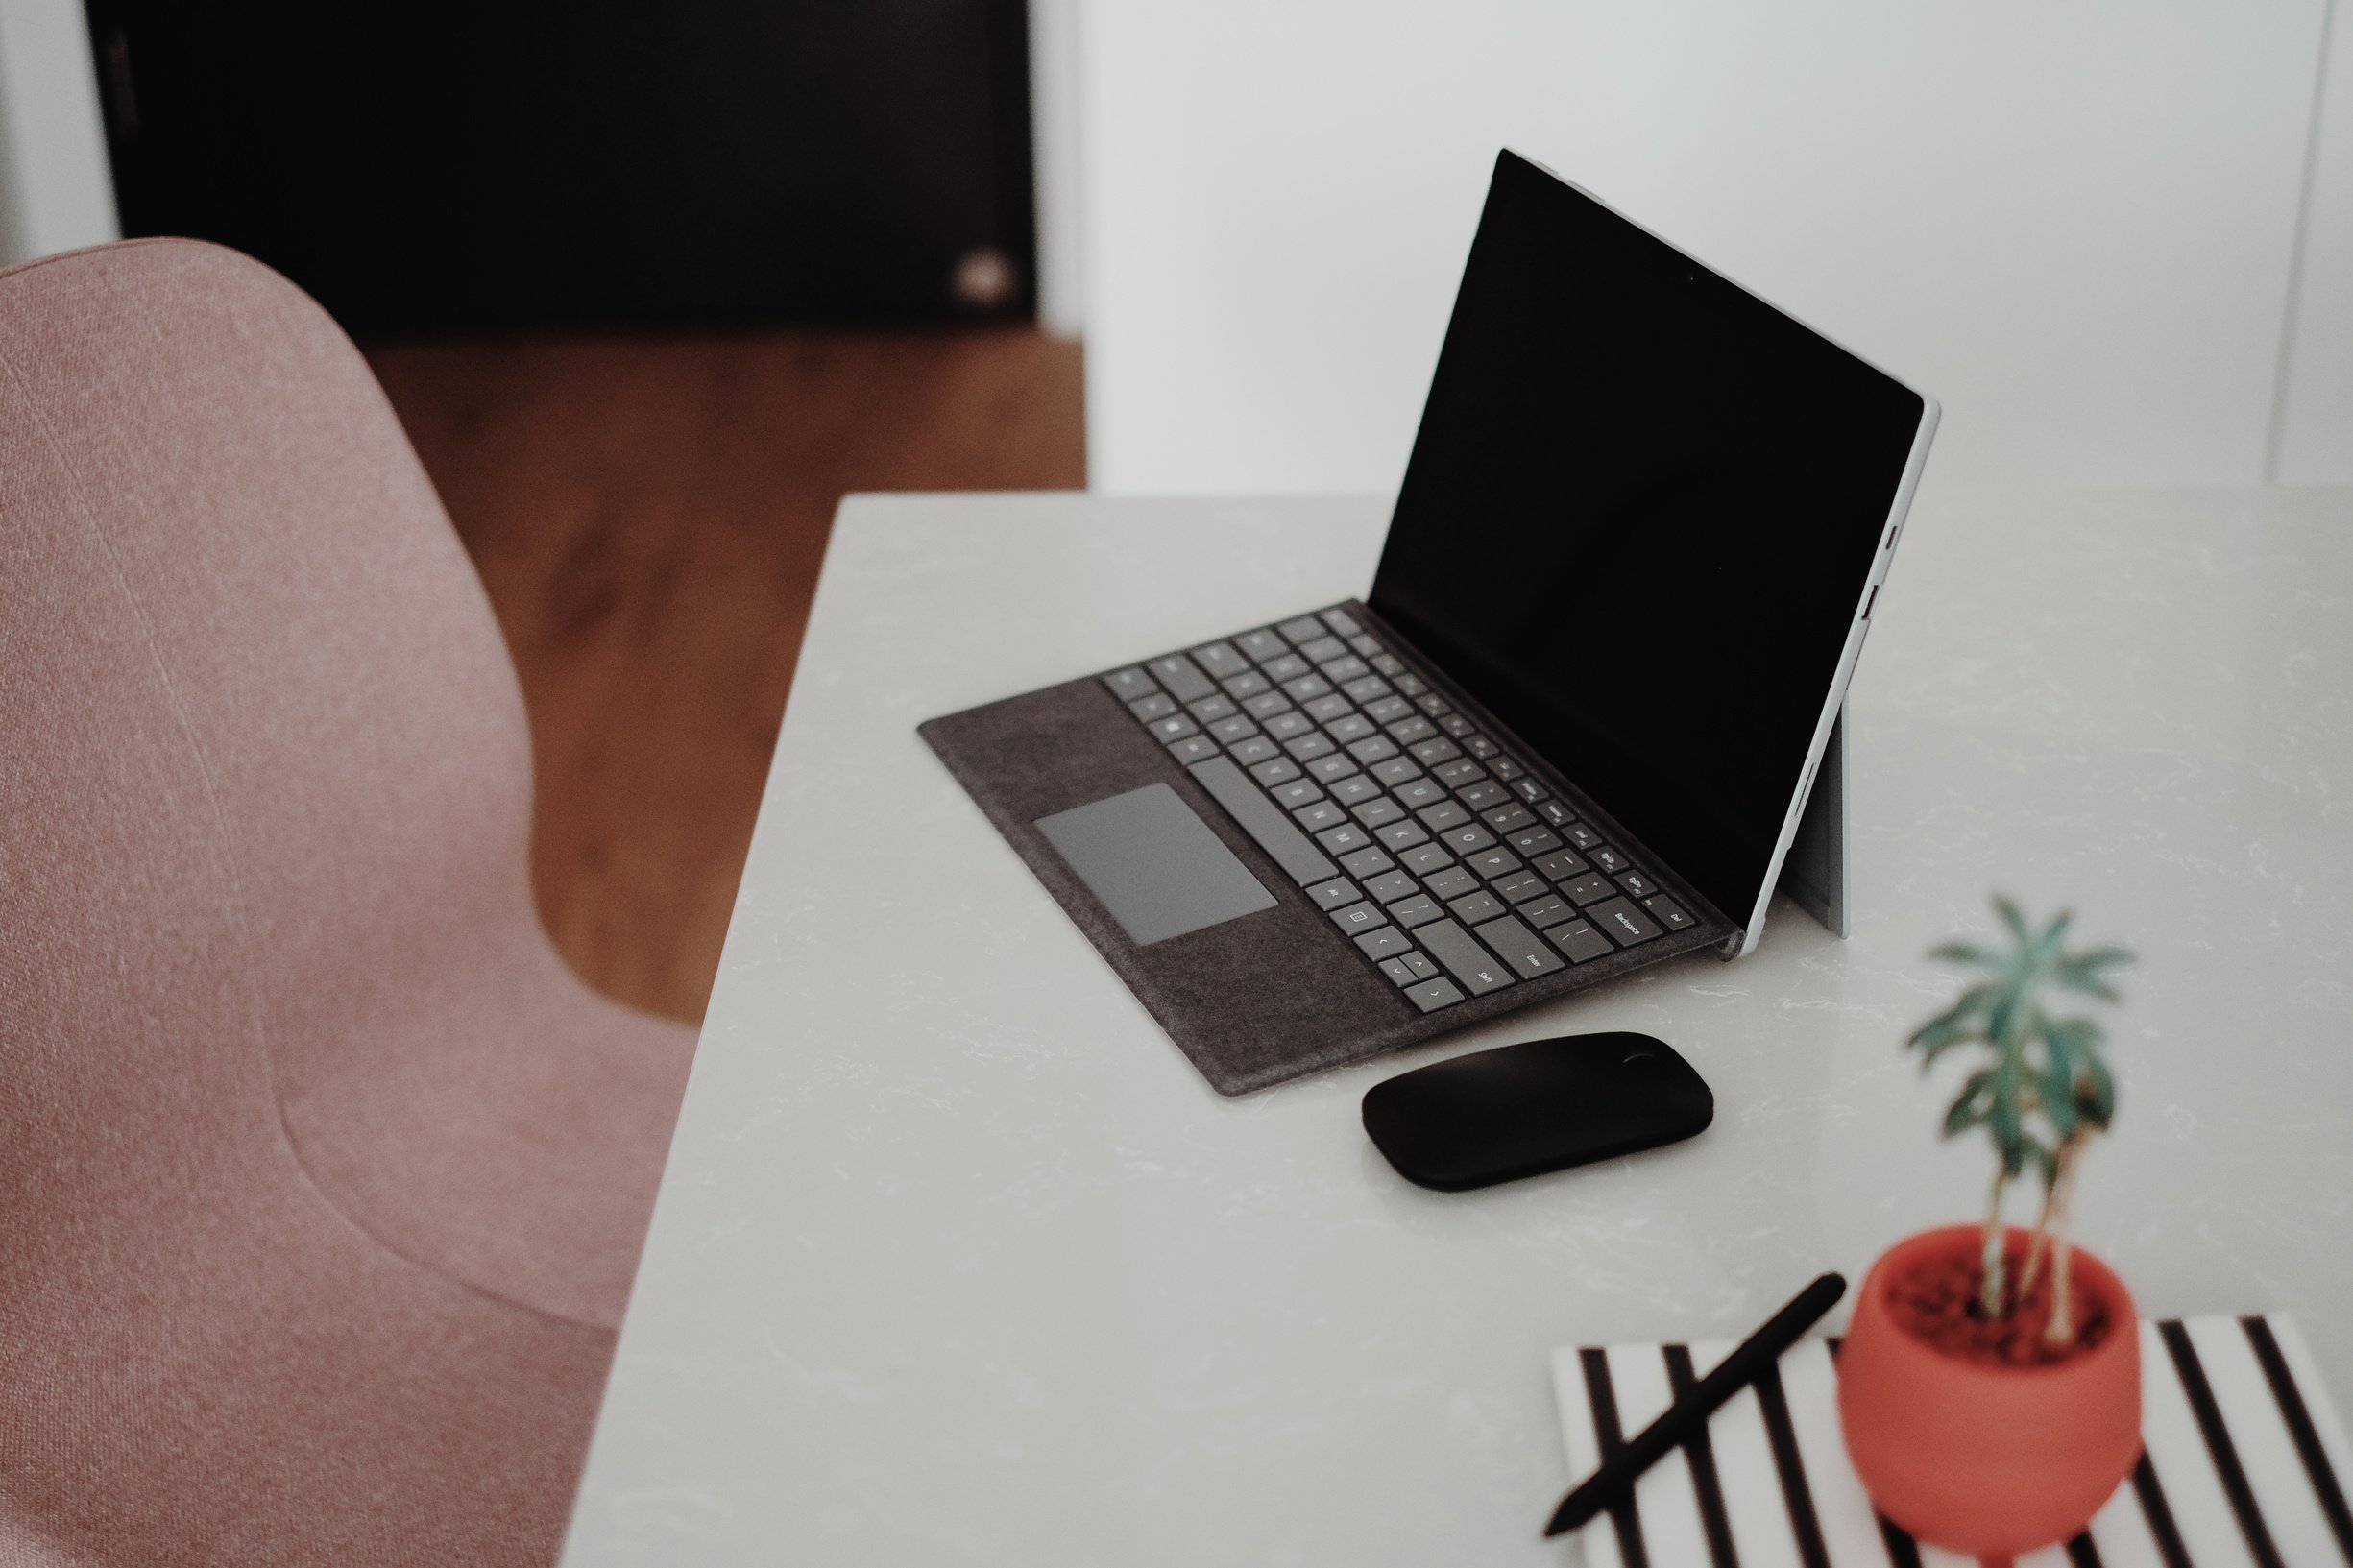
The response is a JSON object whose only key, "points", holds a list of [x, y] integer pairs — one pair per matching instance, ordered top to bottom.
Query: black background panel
{"points": [[517, 162]]}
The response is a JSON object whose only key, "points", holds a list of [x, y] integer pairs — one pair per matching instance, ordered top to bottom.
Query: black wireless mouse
{"points": [[1543, 1105]]}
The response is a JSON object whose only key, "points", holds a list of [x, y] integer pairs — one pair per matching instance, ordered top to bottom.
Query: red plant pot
{"points": [[1985, 1458]]}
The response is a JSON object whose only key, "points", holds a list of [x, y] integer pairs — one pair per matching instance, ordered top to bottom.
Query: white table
{"points": [[957, 1260]]}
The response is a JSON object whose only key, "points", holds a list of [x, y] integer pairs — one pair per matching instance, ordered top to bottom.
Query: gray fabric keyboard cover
{"points": [[1255, 1001]]}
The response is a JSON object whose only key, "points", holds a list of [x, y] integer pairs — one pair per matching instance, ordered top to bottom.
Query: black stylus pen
{"points": [[1606, 1486]]}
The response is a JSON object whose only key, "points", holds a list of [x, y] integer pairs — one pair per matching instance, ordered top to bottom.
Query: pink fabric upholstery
{"points": [[322, 1180]]}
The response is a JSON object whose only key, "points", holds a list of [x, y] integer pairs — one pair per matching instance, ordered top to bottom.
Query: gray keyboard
{"points": [[1441, 858]]}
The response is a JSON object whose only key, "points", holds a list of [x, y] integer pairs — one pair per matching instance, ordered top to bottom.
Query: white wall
{"points": [[1053, 131], [55, 189], [2072, 221], [2316, 414]]}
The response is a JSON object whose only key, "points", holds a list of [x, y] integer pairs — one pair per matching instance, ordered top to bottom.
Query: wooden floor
{"points": [[648, 516]]}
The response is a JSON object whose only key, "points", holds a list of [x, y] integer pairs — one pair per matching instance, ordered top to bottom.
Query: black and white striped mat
{"points": [[2245, 1462]]}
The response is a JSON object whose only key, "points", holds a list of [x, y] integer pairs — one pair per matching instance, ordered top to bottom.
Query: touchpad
{"points": [[1154, 866]]}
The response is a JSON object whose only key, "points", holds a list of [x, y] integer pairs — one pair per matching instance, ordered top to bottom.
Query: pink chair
{"points": [[322, 1180]]}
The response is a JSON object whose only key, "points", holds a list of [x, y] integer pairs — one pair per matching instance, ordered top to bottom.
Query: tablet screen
{"points": [[1639, 520]]}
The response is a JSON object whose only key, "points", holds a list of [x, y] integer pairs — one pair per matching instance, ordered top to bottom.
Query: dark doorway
{"points": [[519, 163]]}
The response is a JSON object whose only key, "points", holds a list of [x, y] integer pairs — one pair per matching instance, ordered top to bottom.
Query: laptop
{"points": [[1571, 730]]}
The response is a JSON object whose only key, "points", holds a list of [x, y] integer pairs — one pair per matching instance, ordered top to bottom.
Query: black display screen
{"points": [[1639, 520]]}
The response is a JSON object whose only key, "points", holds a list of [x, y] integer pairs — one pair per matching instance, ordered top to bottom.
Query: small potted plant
{"points": [[1990, 1384]]}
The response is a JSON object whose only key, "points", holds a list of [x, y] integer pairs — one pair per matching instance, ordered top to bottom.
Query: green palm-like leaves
{"points": [[2049, 1078]]}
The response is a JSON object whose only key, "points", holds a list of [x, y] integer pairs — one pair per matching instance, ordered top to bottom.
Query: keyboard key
{"points": [[1340, 621], [1301, 628], [1262, 645], [1364, 645], [1323, 649], [1221, 660], [1386, 663], [1289, 668], [1343, 670], [1182, 676], [1128, 683], [1247, 684], [1411, 684], [1308, 688], [1366, 688], [1159, 705], [1265, 705], [1209, 710], [1324, 710], [1385, 710], [1454, 724], [1289, 726], [1174, 727], [1350, 727], [1231, 730], [1407, 732], [1478, 746], [1308, 747], [1192, 748], [1255, 749], [1373, 750], [1430, 753], [1503, 767], [1330, 768], [1275, 771], [1396, 771], [1456, 774], [1528, 789], [1352, 792], [1297, 793], [1416, 793], [1484, 794], [1378, 812], [1554, 812], [1443, 815], [1321, 816], [1508, 820], [1581, 835], [1398, 836], [1346, 839], [1468, 840], [1533, 841], [1285, 845], [1424, 858], [1608, 858], [1493, 863], [1366, 864], [1562, 865], [1452, 883], [1636, 885], [1390, 886], [1520, 886], [1591, 889], [1336, 894], [1473, 907], [1418, 910], [1549, 910], [1670, 914], [1360, 917], [1625, 924], [1580, 941], [1385, 942], [1519, 948], [1465, 959], [1409, 968], [1434, 995]]}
